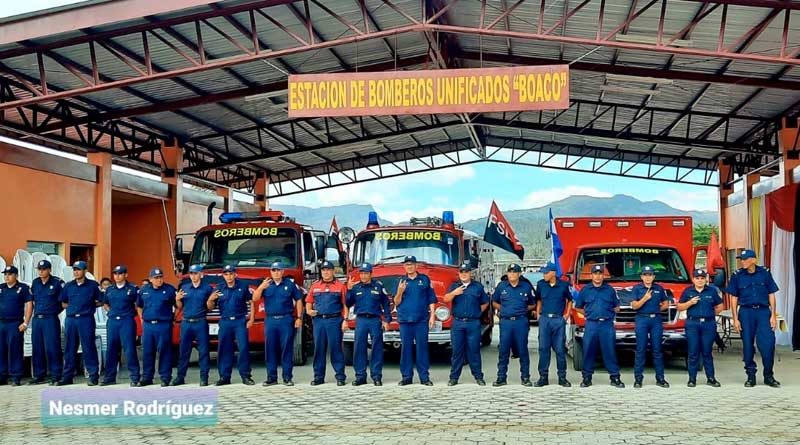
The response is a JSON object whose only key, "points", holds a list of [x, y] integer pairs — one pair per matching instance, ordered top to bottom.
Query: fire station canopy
{"points": [[660, 89]]}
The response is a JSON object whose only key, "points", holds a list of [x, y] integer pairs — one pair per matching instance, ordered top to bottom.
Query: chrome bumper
{"points": [[440, 337]]}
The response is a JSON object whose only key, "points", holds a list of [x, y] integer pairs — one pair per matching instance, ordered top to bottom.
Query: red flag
{"points": [[499, 232], [714, 260]]}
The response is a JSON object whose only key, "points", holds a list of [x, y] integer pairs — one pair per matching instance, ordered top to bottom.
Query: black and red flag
{"points": [[500, 233]]}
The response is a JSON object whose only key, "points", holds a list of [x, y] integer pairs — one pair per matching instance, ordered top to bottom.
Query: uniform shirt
{"points": [[752, 288], [46, 296], [657, 296], [327, 297], [280, 298], [370, 298], [554, 298], [709, 298], [81, 299], [195, 299], [416, 299], [121, 300], [514, 300], [12, 301], [233, 301], [597, 301], [157, 303], [468, 304]]}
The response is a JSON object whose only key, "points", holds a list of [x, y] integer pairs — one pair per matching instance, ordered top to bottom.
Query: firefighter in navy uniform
{"points": [[752, 292], [80, 297], [193, 297], [233, 298], [513, 299], [649, 299], [469, 300], [119, 301], [369, 301], [414, 301], [156, 302], [599, 303], [326, 304], [553, 304], [702, 304], [16, 307], [283, 307], [46, 334]]}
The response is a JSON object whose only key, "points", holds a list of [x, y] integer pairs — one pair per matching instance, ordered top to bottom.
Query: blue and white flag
{"points": [[555, 244]]}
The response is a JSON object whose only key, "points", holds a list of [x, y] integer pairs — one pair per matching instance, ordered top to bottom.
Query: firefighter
{"points": [[752, 293], [80, 297], [193, 297], [233, 298], [119, 300], [369, 300], [469, 300], [512, 300], [648, 300], [414, 301], [155, 302], [598, 302], [326, 304], [553, 304], [702, 304], [16, 306], [283, 307], [46, 335]]}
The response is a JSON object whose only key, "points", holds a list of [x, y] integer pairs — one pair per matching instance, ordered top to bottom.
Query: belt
{"points": [[755, 306], [45, 315], [79, 315], [552, 315], [647, 315], [278, 316], [326, 316], [367, 316], [119, 317], [235, 317], [516, 317], [466, 318], [598, 319], [702, 319], [194, 320], [157, 321]]}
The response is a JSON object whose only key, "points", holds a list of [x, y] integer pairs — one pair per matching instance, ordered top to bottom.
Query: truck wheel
{"points": [[486, 337], [348, 348], [300, 353], [577, 355]]}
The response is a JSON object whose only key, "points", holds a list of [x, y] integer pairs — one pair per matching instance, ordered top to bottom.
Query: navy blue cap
{"points": [[746, 254], [410, 259], [44, 264], [80, 265], [277, 265], [326, 265], [365, 267], [465, 267], [514, 267], [549, 267], [195, 268], [229, 268], [597, 268], [10, 269], [120, 269], [647, 270], [156, 272], [699, 273]]}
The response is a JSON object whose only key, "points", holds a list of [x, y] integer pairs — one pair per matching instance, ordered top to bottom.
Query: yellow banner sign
{"points": [[472, 90]]}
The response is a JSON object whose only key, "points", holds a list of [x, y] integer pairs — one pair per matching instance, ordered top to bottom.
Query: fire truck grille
{"points": [[628, 315]]}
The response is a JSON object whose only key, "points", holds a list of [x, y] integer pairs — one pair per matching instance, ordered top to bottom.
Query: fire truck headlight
{"points": [[442, 313], [681, 315]]}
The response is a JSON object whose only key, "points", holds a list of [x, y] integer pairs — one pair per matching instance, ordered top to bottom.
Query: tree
{"points": [[702, 233]]}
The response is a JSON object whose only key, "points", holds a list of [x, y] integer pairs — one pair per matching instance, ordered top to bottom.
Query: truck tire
{"points": [[486, 337], [348, 348], [300, 352], [577, 355]]}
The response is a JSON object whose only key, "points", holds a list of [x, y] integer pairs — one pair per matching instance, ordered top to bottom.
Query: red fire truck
{"points": [[253, 241], [623, 245], [440, 247]]}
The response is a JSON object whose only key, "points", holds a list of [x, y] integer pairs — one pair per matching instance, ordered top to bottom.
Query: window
{"points": [[47, 247]]}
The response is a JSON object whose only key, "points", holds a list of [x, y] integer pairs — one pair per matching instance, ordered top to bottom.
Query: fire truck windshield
{"points": [[429, 246], [246, 247], [625, 263]]}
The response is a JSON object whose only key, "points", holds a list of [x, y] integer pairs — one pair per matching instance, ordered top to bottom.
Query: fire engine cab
{"points": [[252, 241], [440, 246]]}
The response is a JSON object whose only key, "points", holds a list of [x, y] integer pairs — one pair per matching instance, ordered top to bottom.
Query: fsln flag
{"points": [[334, 227], [500, 233], [555, 244]]}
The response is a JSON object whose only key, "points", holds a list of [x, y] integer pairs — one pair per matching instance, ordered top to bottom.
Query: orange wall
{"points": [[50, 208], [736, 227], [138, 236]]}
